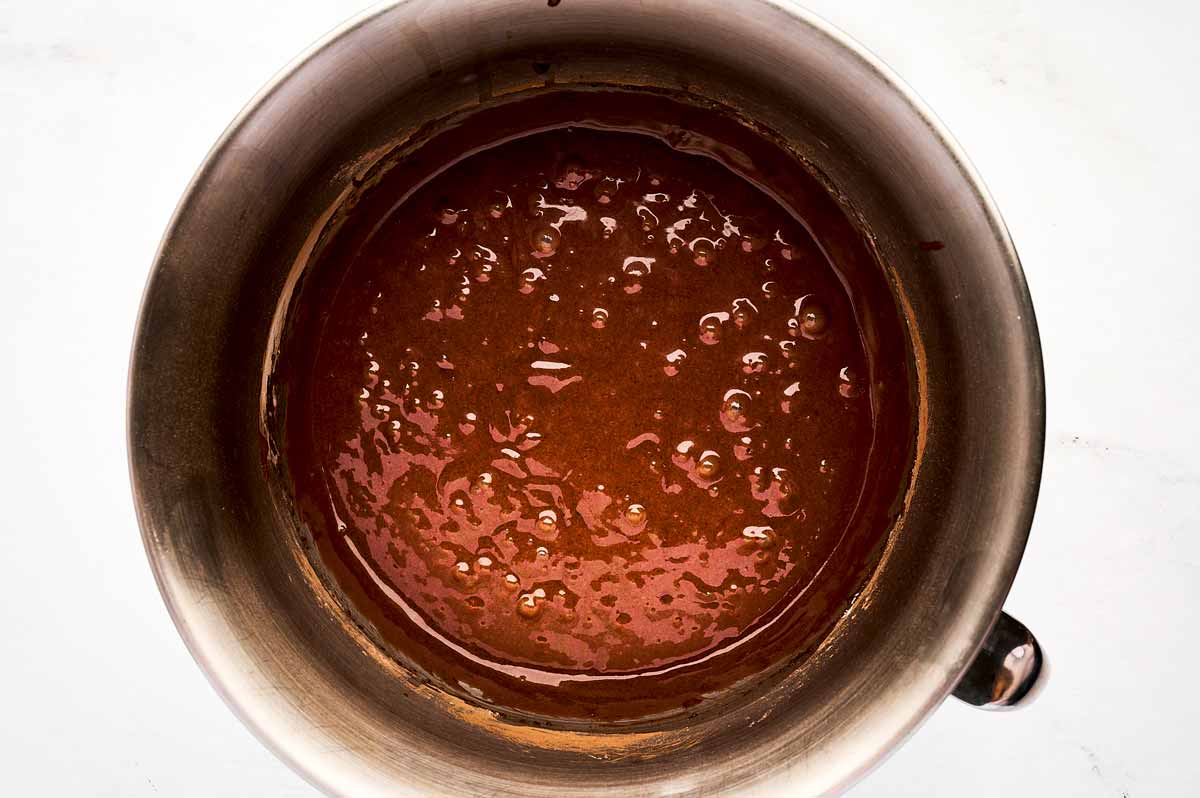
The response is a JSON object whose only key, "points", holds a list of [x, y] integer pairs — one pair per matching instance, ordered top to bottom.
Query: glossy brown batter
{"points": [[583, 417]]}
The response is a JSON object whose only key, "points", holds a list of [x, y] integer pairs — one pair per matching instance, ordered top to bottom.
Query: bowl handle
{"points": [[1009, 671]]}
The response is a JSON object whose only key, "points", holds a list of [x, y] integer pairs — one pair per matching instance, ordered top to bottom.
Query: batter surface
{"points": [[586, 409]]}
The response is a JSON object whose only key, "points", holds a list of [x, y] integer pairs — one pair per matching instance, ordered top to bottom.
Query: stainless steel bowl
{"points": [[282, 652]]}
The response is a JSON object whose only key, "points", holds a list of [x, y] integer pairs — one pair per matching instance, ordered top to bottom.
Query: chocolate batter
{"points": [[585, 420]]}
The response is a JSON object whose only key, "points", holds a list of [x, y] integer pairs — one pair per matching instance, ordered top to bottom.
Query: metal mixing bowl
{"points": [[282, 652]]}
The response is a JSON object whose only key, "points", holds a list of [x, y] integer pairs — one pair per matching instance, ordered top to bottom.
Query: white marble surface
{"points": [[1083, 120]]}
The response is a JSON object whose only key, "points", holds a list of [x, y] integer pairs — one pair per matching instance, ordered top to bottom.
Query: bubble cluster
{"points": [[589, 431]]}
